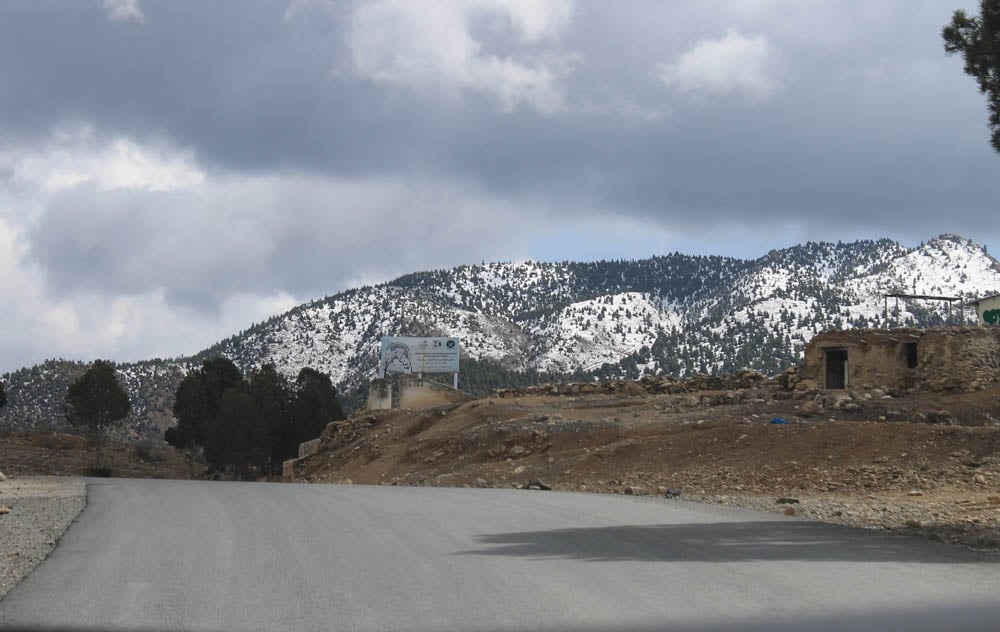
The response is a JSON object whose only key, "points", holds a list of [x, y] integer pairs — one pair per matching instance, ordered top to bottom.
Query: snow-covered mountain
{"points": [[674, 314]]}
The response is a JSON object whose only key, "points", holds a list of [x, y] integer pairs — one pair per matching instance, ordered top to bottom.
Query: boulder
{"points": [[633, 389], [841, 401], [809, 409], [518, 451]]}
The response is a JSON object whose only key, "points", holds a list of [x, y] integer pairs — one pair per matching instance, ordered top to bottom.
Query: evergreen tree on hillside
{"points": [[272, 395], [3, 396], [197, 400], [97, 402], [197, 403], [315, 406], [191, 412], [247, 427], [237, 440]]}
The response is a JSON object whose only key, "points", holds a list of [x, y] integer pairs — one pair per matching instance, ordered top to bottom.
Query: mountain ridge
{"points": [[674, 313]]}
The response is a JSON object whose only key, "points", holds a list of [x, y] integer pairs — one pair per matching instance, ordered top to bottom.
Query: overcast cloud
{"points": [[171, 171]]}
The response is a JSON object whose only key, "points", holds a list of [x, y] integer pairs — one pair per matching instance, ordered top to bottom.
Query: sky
{"points": [[173, 171]]}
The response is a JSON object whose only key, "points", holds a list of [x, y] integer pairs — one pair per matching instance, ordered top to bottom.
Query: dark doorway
{"points": [[911, 354], [836, 368]]}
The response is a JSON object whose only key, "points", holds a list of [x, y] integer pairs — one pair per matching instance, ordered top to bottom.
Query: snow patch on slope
{"points": [[586, 334]]}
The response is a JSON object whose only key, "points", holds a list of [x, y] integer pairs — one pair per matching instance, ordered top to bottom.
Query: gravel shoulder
{"points": [[40, 510]]}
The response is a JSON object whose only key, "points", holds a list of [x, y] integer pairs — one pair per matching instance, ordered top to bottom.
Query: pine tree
{"points": [[978, 39], [272, 395], [97, 402], [315, 406], [196, 409], [237, 438]]}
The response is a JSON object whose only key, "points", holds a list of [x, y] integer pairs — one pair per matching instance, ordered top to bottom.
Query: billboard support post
{"points": [[455, 381]]}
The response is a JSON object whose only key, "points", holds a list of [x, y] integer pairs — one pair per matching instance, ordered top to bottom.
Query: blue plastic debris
{"points": [[779, 420]]}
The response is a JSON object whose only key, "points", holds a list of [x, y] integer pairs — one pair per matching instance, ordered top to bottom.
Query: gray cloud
{"points": [[124, 11], [870, 115], [306, 135], [260, 236]]}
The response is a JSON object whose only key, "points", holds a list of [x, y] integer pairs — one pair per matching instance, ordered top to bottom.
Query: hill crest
{"points": [[520, 322]]}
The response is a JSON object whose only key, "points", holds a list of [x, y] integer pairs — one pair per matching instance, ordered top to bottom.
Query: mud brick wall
{"points": [[875, 357], [949, 359]]}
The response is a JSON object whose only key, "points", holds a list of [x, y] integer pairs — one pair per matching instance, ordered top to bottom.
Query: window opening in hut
{"points": [[911, 354]]}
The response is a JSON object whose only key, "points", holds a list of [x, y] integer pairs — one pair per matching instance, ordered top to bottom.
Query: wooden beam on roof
{"points": [[926, 297]]}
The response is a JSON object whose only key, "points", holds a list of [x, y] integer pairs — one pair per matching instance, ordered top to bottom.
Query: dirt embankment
{"points": [[63, 454], [838, 457]]}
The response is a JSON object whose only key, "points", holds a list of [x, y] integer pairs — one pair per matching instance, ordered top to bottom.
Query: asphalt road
{"points": [[156, 555]]}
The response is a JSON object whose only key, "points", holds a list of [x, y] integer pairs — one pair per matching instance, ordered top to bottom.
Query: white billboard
{"points": [[418, 355]]}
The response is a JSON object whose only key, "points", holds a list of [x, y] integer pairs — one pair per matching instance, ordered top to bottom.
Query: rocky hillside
{"points": [[523, 322], [933, 472]]}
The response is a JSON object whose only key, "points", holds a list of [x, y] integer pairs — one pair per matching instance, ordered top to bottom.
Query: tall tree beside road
{"points": [[978, 39], [272, 395], [3, 396], [97, 402], [196, 403], [315, 406], [196, 408], [190, 411], [247, 427], [237, 441]]}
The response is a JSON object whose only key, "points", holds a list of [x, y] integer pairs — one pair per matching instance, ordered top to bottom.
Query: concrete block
{"points": [[379, 395], [308, 447]]}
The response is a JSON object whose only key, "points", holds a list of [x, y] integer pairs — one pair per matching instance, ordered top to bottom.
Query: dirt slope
{"points": [[65, 454], [836, 455]]}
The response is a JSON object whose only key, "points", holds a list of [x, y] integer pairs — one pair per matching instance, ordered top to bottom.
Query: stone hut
{"points": [[947, 359]]}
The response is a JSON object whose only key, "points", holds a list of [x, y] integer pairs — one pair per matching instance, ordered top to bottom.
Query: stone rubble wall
{"points": [[961, 359], [647, 385]]}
